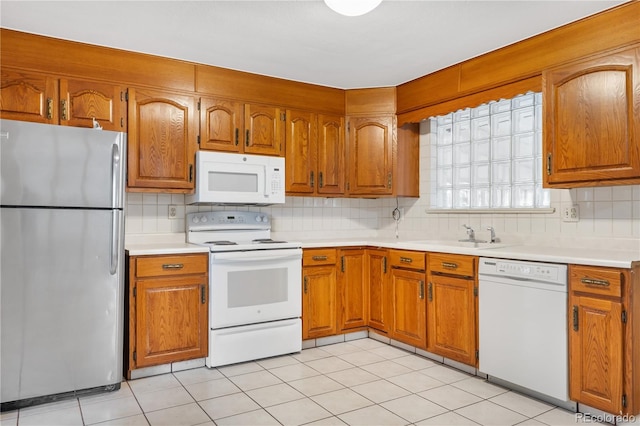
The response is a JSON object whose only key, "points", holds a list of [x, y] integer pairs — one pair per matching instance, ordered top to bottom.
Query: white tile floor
{"points": [[361, 382]]}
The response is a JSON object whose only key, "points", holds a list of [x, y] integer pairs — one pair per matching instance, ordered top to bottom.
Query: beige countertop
{"points": [[625, 257]]}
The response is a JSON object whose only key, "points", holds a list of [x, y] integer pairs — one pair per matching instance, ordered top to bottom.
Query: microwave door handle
{"points": [[267, 179]]}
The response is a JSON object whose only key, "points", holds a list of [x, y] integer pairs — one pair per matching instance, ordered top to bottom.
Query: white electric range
{"points": [[255, 296]]}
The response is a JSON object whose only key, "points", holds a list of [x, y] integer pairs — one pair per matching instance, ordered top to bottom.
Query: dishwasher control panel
{"points": [[548, 272]]}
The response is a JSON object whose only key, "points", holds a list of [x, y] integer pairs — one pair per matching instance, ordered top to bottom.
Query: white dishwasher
{"points": [[523, 325]]}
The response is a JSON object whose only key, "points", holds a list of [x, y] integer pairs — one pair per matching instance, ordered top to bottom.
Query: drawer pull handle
{"points": [[319, 258], [406, 260], [449, 265], [173, 266], [591, 281]]}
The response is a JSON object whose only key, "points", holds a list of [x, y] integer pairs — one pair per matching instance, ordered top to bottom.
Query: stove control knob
{"points": [[258, 218], [195, 219], [204, 219]]}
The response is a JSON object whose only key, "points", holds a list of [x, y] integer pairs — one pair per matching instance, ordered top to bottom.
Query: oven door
{"points": [[248, 287]]}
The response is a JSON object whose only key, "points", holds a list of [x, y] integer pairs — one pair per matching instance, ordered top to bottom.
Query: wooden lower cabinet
{"points": [[319, 292], [353, 294], [380, 294], [408, 301], [167, 309], [452, 313], [604, 339]]}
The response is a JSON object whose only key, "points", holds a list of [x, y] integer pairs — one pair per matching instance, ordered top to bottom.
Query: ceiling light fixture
{"points": [[352, 7]]}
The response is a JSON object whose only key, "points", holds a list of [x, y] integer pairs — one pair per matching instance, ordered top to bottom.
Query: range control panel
{"points": [[228, 220], [548, 272]]}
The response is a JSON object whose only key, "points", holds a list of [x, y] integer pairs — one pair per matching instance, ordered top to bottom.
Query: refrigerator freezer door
{"points": [[47, 165], [62, 308]]}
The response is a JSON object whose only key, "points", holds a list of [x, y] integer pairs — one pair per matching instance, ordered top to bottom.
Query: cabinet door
{"points": [[28, 97], [82, 101], [592, 120], [221, 125], [264, 130], [162, 141], [300, 152], [330, 155], [370, 160], [353, 291], [380, 294], [319, 302], [409, 306], [451, 318], [171, 319], [596, 353]]}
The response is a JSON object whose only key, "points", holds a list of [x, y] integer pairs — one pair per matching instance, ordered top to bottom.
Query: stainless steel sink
{"points": [[454, 243]]}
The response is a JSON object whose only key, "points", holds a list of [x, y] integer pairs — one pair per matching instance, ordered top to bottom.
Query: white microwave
{"points": [[238, 179]]}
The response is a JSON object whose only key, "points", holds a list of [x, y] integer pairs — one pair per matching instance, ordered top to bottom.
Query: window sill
{"points": [[546, 210]]}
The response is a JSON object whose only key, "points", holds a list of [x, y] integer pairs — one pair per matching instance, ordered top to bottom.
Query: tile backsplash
{"points": [[606, 213]]}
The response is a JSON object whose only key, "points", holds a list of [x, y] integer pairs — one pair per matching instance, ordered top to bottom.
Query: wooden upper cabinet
{"points": [[28, 97], [41, 98], [83, 101], [592, 121], [221, 125], [264, 130], [162, 141], [314, 149], [300, 152], [370, 155], [330, 157]]}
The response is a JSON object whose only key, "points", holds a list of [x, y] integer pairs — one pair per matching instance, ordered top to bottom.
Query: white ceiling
{"points": [[302, 40]]}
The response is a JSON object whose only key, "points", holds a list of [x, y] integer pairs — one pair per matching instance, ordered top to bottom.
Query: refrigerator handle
{"points": [[116, 164], [115, 240]]}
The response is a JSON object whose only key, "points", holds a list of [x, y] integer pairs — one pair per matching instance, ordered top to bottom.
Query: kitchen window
{"points": [[489, 157]]}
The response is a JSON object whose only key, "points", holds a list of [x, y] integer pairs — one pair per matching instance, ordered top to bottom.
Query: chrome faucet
{"points": [[471, 235], [493, 235]]}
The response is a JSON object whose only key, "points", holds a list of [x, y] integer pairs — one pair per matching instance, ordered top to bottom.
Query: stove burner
{"points": [[267, 241], [221, 243]]}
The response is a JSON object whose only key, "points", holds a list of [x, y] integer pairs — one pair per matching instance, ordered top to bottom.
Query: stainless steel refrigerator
{"points": [[62, 254]]}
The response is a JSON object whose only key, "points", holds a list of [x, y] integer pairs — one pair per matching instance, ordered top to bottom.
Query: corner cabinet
{"points": [[41, 98], [592, 121], [162, 141], [370, 155], [377, 270], [353, 292], [167, 309], [604, 338]]}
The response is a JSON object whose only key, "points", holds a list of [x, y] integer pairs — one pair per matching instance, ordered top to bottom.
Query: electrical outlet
{"points": [[173, 211], [571, 213]]}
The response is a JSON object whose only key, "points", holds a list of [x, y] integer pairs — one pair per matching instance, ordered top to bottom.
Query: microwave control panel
{"points": [[277, 180]]}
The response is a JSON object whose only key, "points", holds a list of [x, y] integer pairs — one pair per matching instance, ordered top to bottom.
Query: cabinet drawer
{"points": [[323, 256], [407, 259], [453, 264], [153, 266], [595, 280]]}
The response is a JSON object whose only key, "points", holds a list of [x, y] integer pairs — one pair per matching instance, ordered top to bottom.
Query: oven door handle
{"points": [[243, 257]]}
